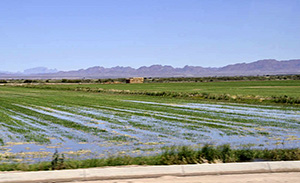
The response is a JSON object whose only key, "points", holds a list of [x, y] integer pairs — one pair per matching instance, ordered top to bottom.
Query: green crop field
{"points": [[262, 88], [276, 91], [36, 120]]}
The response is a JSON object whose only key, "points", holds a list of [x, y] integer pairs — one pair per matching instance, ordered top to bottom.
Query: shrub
{"points": [[3, 81], [210, 153], [57, 162]]}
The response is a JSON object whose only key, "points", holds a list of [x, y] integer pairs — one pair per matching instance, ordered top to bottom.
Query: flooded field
{"points": [[33, 127]]}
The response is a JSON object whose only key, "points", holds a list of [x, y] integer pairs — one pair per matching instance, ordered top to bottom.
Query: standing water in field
{"points": [[33, 132]]}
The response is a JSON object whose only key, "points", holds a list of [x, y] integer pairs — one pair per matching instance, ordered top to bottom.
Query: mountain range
{"points": [[260, 67], [39, 70]]}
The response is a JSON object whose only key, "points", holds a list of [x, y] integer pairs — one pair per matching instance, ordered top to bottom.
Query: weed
{"points": [[58, 160]]}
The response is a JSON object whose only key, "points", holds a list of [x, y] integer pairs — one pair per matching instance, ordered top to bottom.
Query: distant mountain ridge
{"points": [[265, 66], [260, 67], [39, 70]]}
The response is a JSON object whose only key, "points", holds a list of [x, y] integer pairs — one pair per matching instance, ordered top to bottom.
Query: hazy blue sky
{"points": [[73, 34]]}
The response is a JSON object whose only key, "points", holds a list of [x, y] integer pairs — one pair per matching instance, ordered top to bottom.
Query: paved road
{"points": [[250, 172], [291, 177]]}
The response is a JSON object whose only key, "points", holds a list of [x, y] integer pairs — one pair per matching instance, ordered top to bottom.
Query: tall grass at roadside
{"points": [[169, 156]]}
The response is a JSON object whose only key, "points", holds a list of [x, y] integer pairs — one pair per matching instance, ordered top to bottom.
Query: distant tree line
{"points": [[223, 78], [159, 80], [3, 81]]}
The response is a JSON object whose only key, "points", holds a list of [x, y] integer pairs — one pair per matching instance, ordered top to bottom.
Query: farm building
{"points": [[135, 80]]}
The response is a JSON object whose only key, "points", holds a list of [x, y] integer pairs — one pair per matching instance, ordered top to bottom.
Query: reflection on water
{"points": [[101, 131]]}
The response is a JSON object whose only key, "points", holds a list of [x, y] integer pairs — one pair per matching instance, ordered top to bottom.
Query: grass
{"points": [[263, 88], [238, 91], [170, 156]]}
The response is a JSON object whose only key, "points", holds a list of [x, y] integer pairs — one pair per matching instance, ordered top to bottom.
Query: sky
{"points": [[75, 34]]}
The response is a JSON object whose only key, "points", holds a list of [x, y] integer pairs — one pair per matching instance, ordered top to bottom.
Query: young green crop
{"points": [[238, 91], [132, 123]]}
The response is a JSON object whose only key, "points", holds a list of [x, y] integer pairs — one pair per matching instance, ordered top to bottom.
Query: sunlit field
{"points": [[36, 122]]}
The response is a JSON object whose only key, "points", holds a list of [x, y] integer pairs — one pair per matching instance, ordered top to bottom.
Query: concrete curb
{"points": [[149, 171]]}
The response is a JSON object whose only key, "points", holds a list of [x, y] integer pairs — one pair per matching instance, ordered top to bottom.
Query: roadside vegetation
{"points": [[170, 156]]}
